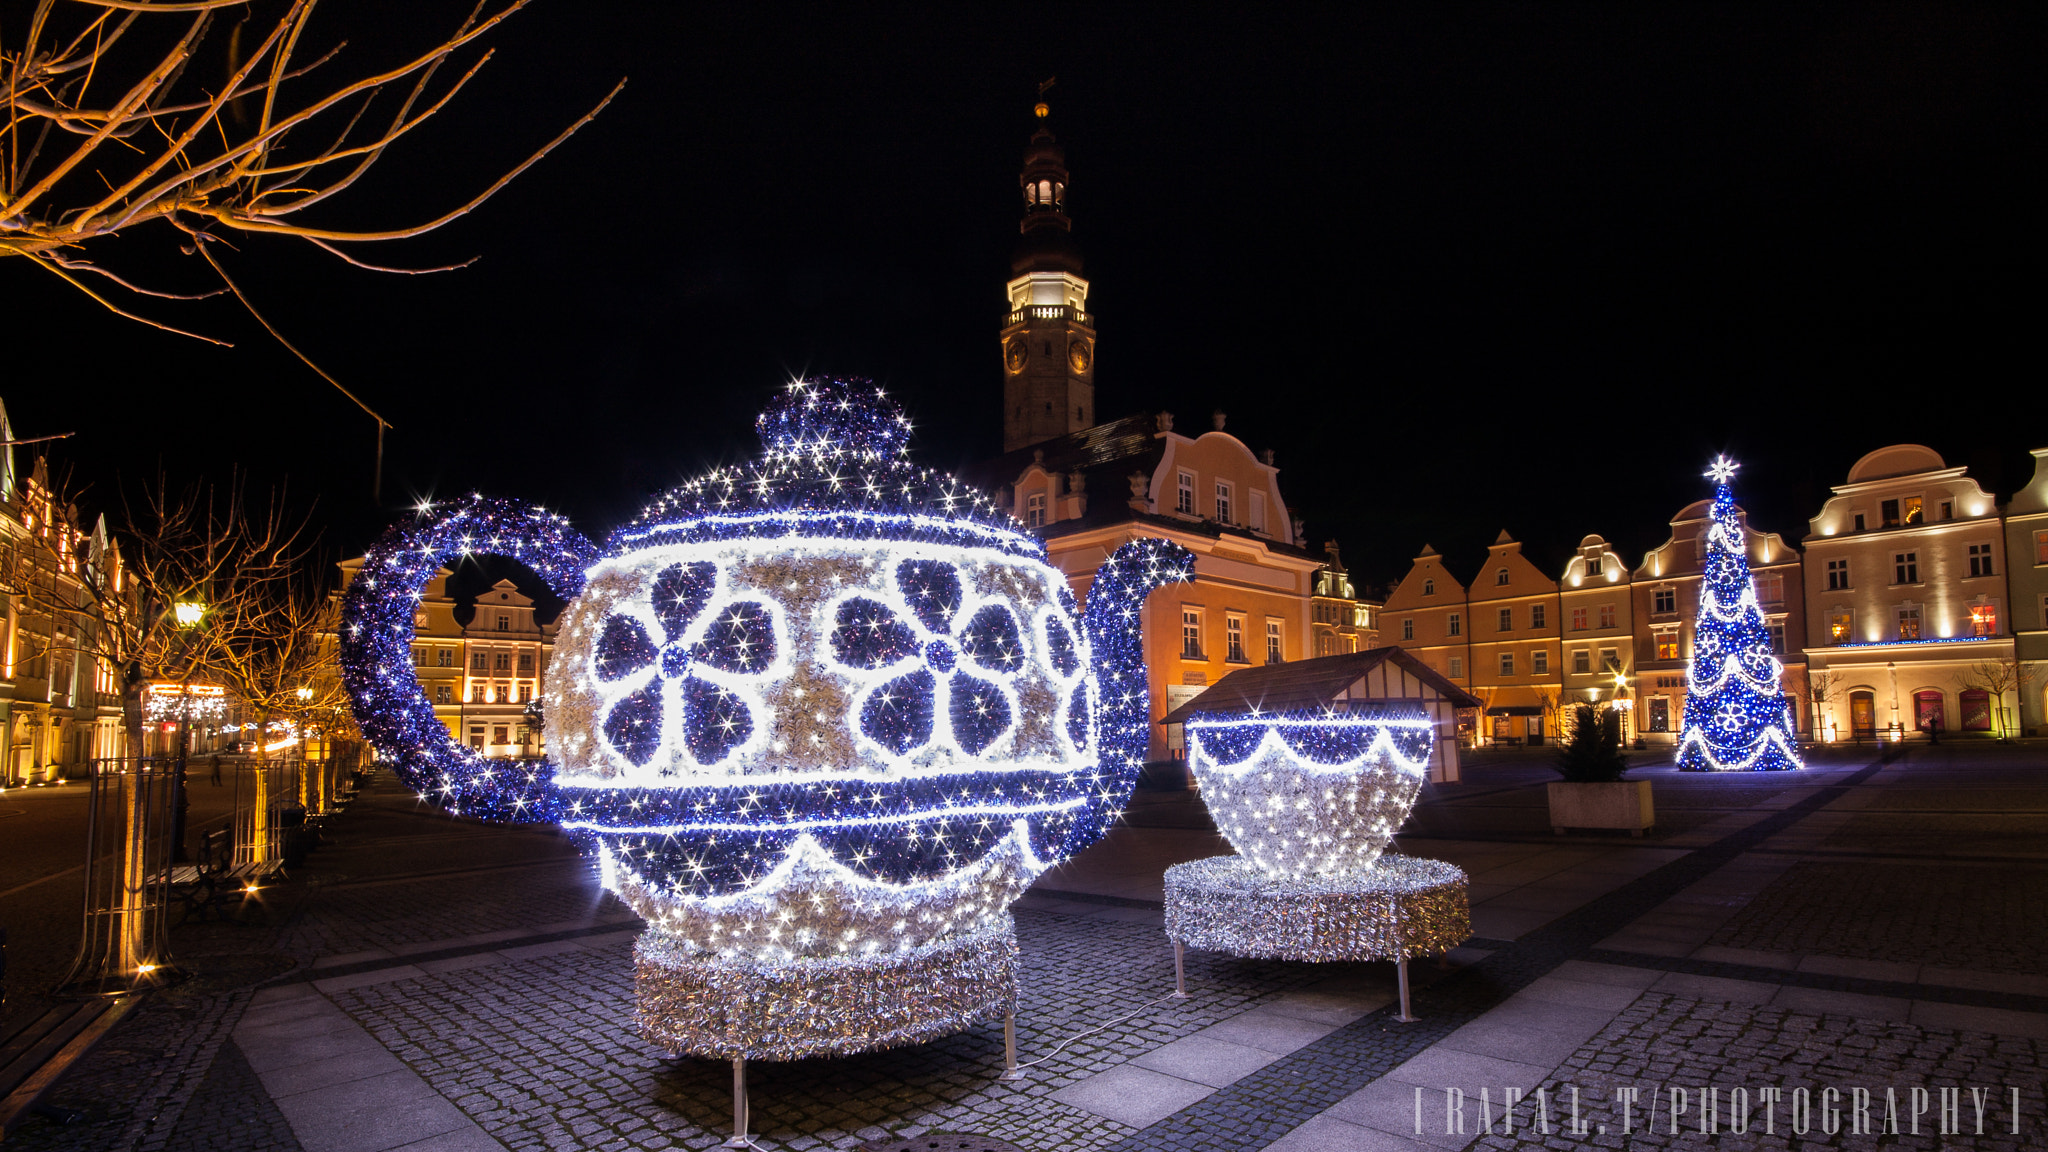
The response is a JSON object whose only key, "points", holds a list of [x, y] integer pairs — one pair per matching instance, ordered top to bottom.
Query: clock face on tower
{"points": [[1016, 354], [1079, 356]]}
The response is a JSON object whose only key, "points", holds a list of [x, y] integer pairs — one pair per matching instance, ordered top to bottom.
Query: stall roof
{"points": [[1309, 684]]}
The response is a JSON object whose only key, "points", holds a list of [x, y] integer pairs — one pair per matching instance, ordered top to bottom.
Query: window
{"points": [[1222, 502], [1186, 503], [1034, 510], [1912, 510], [1948, 510], [1888, 513], [1258, 516], [1859, 522], [2041, 547], [1980, 559], [1593, 566], [1906, 567], [1838, 575], [1500, 576], [1429, 586], [1770, 587], [1664, 601], [1536, 615], [1607, 615], [1507, 619], [1578, 619], [1983, 620], [504, 623], [1909, 623], [1454, 626], [1839, 626], [1776, 628], [1408, 629], [1191, 633], [1233, 640], [1273, 642], [1667, 643], [419, 657], [446, 658], [1610, 660], [502, 661], [1582, 661], [480, 662], [526, 662], [1539, 662], [1507, 663], [1457, 667], [476, 693], [526, 693], [444, 695], [501, 734], [476, 736]]}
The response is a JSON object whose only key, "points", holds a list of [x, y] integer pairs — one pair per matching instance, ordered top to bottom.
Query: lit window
{"points": [[1186, 492], [1034, 510], [1912, 510], [2041, 547], [1980, 560], [1906, 567], [1838, 575], [1770, 587], [1664, 600], [1536, 615], [1607, 615], [1507, 619], [1578, 619], [1983, 620], [1909, 623], [1455, 626], [1408, 629], [1839, 629], [1191, 633], [1233, 640], [1667, 643], [1273, 655], [1582, 661], [1539, 662], [1507, 663]]}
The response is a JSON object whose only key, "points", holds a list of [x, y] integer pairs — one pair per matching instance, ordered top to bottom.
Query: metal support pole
{"points": [[1401, 969], [1180, 972], [1010, 1069], [739, 1105]]}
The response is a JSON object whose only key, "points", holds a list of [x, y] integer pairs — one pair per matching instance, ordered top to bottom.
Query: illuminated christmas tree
{"points": [[1735, 717]]}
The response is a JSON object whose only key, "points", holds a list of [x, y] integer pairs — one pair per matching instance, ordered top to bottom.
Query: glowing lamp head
{"points": [[188, 613]]}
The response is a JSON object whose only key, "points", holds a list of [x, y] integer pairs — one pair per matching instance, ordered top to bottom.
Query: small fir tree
{"points": [[1735, 717], [1593, 753]]}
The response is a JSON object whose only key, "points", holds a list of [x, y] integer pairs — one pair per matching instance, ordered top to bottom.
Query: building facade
{"points": [[2026, 555], [1907, 599], [1340, 621], [1597, 627]]}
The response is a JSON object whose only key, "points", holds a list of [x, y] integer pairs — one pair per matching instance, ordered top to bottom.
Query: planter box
{"points": [[1617, 804]]}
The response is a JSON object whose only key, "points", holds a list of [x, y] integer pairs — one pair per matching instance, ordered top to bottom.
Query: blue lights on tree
{"points": [[1735, 717]]}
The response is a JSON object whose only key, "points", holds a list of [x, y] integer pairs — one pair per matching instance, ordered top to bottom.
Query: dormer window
{"points": [[1034, 510], [1593, 566], [1500, 576], [1429, 587]]}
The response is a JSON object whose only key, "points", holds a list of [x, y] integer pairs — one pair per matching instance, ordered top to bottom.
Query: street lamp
{"points": [[188, 614]]}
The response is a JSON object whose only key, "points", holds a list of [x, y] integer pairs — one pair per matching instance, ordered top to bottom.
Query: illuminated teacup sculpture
{"points": [[819, 719], [1311, 802]]}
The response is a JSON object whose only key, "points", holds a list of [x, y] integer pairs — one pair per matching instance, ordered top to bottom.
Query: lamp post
{"points": [[188, 614]]}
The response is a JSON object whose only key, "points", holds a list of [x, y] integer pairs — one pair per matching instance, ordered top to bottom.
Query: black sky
{"points": [[1465, 268]]}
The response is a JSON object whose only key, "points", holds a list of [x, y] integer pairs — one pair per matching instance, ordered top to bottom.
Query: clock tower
{"points": [[1048, 340]]}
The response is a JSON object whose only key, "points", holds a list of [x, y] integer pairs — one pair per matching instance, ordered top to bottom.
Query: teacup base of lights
{"points": [[1311, 802]]}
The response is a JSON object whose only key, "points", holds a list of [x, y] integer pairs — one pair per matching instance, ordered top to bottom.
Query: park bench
{"points": [[214, 880], [35, 1056]]}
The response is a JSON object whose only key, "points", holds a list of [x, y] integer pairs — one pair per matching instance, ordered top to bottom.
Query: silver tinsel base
{"points": [[1401, 906], [697, 1004]]}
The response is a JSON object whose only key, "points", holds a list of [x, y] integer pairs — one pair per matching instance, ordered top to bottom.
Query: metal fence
{"points": [[128, 873]]}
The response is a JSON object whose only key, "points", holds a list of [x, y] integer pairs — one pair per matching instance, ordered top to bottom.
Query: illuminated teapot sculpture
{"points": [[819, 719]]}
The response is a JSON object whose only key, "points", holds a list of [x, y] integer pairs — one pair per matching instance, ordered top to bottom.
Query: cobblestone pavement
{"points": [[1982, 917], [479, 959], [1664, 1042]]}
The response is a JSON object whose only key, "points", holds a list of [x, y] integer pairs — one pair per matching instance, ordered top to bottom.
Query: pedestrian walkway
{"points": [[459, 988]]}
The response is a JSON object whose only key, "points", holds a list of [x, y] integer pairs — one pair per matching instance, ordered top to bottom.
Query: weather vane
{"points": [[1722, 470]]}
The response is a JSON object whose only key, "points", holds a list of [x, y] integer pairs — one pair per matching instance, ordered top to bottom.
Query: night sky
{"points": [[1522, 266]]}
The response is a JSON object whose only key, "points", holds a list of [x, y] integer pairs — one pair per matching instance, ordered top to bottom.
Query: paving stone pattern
{"points": [[1985, 918], [355, 919], [1661, 1042], [543, 1055]]}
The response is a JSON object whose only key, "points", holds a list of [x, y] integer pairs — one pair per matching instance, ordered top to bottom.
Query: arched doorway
{"points": [[1975, 705], [1863, 714], [1929, 715]]}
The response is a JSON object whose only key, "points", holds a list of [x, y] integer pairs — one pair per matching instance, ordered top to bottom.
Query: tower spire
{"points": [[1048, 336]]}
